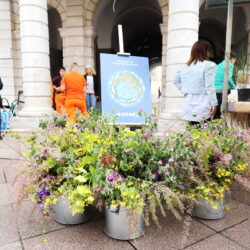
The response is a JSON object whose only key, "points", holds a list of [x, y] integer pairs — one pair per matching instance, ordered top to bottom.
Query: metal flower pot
{"points": [[203, 210], [64, 215], [123, 224]]}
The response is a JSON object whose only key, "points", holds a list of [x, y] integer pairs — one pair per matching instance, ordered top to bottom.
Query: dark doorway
{"points": [[55, 41]]}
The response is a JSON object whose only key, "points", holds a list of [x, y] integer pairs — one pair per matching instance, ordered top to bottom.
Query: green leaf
{"points": [[81, 178], [83, 190]]}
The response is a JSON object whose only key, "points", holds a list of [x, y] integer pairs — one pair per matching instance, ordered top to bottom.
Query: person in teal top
{"points": [[219, 82]]}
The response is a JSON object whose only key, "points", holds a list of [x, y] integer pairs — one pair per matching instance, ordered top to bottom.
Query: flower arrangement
{"points": [[98, 162]]}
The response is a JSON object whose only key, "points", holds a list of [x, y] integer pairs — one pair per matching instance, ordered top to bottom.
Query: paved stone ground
{"points": [[229, 233]]}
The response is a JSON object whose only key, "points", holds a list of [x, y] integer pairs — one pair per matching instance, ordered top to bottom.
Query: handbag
{"points": [[1, 84]]}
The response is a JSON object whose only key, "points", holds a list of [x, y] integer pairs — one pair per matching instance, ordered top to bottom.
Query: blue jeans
{"points": [[90, 101]]}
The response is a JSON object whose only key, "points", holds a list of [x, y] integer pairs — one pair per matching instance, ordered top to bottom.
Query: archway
{"points": [[142, 36], [55, 41]]}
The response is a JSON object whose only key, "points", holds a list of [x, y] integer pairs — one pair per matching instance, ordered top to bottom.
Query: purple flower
{"points": [[153, 116], [205, 125], [50, 126], [147, 134], [239, 135], [160, 136], [190, 138], [128, 150], [170, 160], [160, 162], [167, 166], [71, 170], [191, 170], [155, 175], [111, 177], [44, 191]]}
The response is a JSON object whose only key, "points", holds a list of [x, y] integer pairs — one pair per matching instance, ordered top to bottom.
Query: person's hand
{"points": [[96, 97], [213, 111]]}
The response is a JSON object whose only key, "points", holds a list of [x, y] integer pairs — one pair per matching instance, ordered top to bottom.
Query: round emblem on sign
{"points": [[126, 88]]}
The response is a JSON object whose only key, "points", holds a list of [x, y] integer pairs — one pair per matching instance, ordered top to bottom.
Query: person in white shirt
{"points": [[196, 81], [91, 87]]}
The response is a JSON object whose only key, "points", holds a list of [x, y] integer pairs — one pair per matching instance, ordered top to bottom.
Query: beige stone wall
{"points": [[72, 34]]}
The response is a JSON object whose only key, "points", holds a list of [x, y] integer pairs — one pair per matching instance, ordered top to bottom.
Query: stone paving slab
{"points": [[2, 177], [5, 198], [238, 212], [30, 219], [8, 229], [240, 234], [86, 236], [169, 236], [216, 242], [12, 246]]}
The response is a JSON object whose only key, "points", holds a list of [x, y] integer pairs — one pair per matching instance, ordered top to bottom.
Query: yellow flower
{"points": [[124, 193], [123, 203], [129, 207], [215, 207]]}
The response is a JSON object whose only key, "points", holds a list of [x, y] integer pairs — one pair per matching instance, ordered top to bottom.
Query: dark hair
{"points": [[199, 52], [233, 55], [62, 68]]}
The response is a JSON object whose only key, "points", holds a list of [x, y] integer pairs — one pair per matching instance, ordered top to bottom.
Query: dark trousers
{"points": [[219, 98]]}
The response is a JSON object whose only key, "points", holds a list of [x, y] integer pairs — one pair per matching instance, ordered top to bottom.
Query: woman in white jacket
{"points": [[196, 80]]}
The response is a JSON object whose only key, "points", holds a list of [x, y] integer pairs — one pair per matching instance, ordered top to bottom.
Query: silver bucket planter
{"points": [[203, 210], [63, 213], [123, 224]]}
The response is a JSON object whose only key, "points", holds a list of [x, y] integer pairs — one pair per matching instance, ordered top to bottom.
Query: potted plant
{"points": [[243, 74], [222, 153], [57, 173], [130, 182]]}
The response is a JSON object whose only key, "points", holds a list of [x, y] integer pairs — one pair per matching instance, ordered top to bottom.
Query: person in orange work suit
{"points": [[74, 85], [59, 93]]}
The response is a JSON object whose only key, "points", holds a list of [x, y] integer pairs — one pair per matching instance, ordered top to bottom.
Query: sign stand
{"points": [[121, 44], [227, 54]]}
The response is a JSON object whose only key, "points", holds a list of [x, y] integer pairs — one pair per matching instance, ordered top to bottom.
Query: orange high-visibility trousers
{"points": [[60, 102], [71, 105]]}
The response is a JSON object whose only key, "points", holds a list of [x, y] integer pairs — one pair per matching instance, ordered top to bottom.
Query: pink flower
{"points": [[140, 110], [153, 116], [205, 125], [50, 126], [239, 135], [190, 138], [185, 144], [128, 150], [170, 160], [160, 162], [167, 165], [71, 170], [155, 175]]}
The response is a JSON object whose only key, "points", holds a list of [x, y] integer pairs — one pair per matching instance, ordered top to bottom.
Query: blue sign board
{"points": [[125, 85]]}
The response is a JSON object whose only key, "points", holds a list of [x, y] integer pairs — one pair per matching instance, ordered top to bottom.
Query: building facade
{"points": [[39, 36]]}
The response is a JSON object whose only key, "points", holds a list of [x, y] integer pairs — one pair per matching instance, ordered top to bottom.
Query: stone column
{"points": [[183, 23], [164, 32], [89, 45], [6, 51], [35, 57]]}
